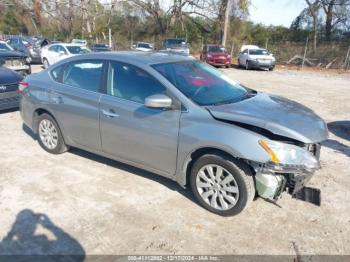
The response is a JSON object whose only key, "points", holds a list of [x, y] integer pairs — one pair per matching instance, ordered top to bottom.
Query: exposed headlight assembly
{"points": [[28, 60], [286, 156]]}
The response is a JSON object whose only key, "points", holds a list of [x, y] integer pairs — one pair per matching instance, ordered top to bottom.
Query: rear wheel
{"points": [[46, 63], [49, 135], [222, 185]]}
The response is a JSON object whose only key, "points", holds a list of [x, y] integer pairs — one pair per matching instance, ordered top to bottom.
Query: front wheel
{"points": [[247, 65], [222, 185]]}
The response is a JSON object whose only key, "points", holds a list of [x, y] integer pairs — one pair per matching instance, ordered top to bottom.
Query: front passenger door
{"points": [[129, 130]]}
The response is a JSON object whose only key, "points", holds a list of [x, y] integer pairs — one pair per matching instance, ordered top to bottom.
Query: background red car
{"points": [[216, 55]]}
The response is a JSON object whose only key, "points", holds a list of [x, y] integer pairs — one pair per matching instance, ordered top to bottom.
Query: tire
{"points": [[46, 63], [247, 65], [271, 68], [48, 127], [241, 184]]}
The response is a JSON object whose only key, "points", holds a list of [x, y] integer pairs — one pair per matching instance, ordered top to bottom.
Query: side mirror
{"points": [[61, 53], [158, 101]]}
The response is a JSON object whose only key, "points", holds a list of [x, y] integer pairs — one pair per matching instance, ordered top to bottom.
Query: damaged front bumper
{"points": [[272, 180]]}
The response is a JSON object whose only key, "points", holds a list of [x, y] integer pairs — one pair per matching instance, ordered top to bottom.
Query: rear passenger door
{"points": [[75, 101]]}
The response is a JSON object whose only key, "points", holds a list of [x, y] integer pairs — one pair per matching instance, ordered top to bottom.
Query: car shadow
{"points": [[11, 110], [340, 129], [29, 132], [337, 147], [167, 182], [172, 185], [34, 237]]}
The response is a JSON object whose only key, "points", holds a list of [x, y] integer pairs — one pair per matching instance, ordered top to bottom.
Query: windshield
{"points": [[175, 42], [101, 46], [144, 46], [5, 47], [216, 49], [75, 50], [258, 52], [202, 83]]}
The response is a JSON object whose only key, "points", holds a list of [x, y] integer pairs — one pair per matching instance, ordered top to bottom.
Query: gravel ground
{"points": [[78, 202]]}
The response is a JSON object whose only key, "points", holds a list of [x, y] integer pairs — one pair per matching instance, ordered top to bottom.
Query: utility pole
{"points": [[227, 21], [110, 37], [307, 41]]}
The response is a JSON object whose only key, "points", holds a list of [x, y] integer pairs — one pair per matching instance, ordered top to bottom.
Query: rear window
{"points": [[83, 74]]}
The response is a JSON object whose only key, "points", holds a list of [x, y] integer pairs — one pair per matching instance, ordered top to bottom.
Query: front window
{"points": [[5, 47], [216, 49], [76, 50], [258, 52], [131, 83], [202, 83]]}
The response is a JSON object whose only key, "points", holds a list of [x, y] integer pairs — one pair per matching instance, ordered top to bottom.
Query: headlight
{"points": [[209, 56], [28, 60], [289, 155]]}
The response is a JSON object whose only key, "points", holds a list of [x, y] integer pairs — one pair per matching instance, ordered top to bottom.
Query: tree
{"points": [[313, 9], [336, 12]]}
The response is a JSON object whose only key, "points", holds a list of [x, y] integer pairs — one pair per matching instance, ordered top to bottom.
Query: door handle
{"points": [[109, 113]]}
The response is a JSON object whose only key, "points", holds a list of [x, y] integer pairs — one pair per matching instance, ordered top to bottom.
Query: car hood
{"points": [[11, 54], [8, 76], [276, 114]]}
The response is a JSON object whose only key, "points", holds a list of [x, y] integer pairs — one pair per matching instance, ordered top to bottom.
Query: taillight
{"points": [[22, 87]]}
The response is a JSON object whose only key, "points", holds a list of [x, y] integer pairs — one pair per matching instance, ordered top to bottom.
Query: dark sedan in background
{"points": [[100, 48], [16, 61], [9, 81]]}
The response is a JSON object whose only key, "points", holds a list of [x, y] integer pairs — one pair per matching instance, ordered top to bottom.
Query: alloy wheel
{"points": [[48, 134], [217, 187]]}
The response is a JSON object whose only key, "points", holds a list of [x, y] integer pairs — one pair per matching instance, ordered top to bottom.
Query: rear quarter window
{"points": [[57, 72]]}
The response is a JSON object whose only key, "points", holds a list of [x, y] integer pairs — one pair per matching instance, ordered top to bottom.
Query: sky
{"points": [[275, 12]]}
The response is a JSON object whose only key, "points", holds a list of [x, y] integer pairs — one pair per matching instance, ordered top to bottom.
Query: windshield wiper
{"points": [[244, 97]]}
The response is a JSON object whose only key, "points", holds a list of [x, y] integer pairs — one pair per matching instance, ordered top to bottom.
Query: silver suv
{"points": [[179, 118]]}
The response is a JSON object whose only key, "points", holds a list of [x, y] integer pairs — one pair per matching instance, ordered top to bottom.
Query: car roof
{"points": [[137, 57]]}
